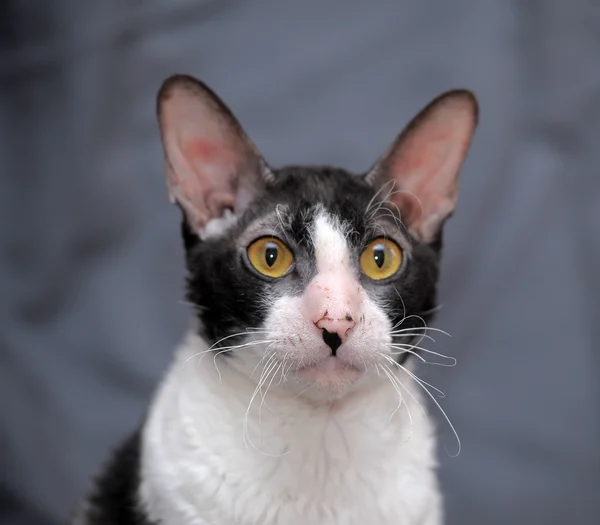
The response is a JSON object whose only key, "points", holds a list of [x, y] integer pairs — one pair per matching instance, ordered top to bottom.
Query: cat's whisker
{"points": [[413, 195], [374, 200], [385, 200], [383, 207], [385, 212], [398, 212], [280, 214], [381, 229], [403, 307], [432, 310], [407, 317], [423, 328], [254, 330], [248, 331], [408, 331], [238, 334], [410, 334], [416, 343], [410, 345], [226, 348], [231, 348], [236, 348], [410, 348], [223, 349], [407, 351], [266, 354], [421, 358], [271, 360], [283, 363], [270, 365], [365, 366], [291, 367], [270, 370], [285, 371], [395, 380], [422, 384], [398, 391], [440, 393], [264, 394]]}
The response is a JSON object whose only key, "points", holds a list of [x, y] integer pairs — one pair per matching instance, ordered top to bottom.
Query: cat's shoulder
{"points": [[114, 496]]}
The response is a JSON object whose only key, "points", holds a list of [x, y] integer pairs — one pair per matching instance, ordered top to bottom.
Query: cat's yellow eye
{"points": [[270, 256], [381, 259]]}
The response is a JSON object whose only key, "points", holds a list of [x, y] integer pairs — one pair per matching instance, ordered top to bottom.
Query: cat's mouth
{"points": [[331, 372]]}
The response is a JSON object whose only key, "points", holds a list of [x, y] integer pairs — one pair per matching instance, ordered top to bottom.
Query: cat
{"points": [[292, 400]]}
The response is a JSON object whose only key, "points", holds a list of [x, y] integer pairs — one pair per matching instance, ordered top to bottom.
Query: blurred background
{"points": [[91, 272]]}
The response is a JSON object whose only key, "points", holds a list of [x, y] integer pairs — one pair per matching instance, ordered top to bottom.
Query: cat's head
{"points": [[328, 275]]}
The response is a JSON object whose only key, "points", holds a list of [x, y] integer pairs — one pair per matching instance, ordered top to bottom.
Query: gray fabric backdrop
{"points": [[91, 267]]}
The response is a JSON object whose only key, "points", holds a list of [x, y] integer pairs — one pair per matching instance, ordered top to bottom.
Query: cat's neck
{"points": [[203, 426]]}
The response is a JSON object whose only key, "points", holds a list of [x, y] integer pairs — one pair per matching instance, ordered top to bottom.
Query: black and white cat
{"points": [[292, 401]]}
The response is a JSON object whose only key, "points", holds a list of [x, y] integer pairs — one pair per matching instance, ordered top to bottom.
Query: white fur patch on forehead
{"points": [[331, 246]]}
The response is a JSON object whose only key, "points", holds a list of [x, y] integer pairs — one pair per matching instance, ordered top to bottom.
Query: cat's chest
{"points": [[213, 463]]}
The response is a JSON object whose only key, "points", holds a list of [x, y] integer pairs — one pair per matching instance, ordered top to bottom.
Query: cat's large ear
{"points": [[211, 164], [419, 173]]}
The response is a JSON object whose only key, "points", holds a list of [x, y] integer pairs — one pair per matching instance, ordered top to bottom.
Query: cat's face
{"points": [[318, 275]]}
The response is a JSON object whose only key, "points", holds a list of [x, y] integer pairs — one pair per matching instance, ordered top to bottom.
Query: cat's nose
{"points": [[332, 304], [335, 329]]}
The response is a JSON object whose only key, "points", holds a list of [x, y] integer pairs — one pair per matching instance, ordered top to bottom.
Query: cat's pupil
{"points": [[271, 254], [379, 255]]}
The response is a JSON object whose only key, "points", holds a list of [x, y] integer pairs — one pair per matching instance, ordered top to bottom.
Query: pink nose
{"points": [[332, 303], [340, 326], [335, 330]]}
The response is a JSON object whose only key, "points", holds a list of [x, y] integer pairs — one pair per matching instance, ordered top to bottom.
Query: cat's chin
{"points": [[330, 373]]}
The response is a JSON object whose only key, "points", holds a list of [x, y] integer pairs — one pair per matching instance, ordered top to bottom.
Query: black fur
{"points": [[114, 500]]}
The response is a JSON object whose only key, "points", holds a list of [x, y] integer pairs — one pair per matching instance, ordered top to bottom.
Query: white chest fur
{"points": [[343, 463]]}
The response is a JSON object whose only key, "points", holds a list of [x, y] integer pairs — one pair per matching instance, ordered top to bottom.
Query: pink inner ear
{"points": [[205, 149], [202, 150], [429, 158], [425, 166], [214, 169], [428, 169], [200, 174], [426, 187]]}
